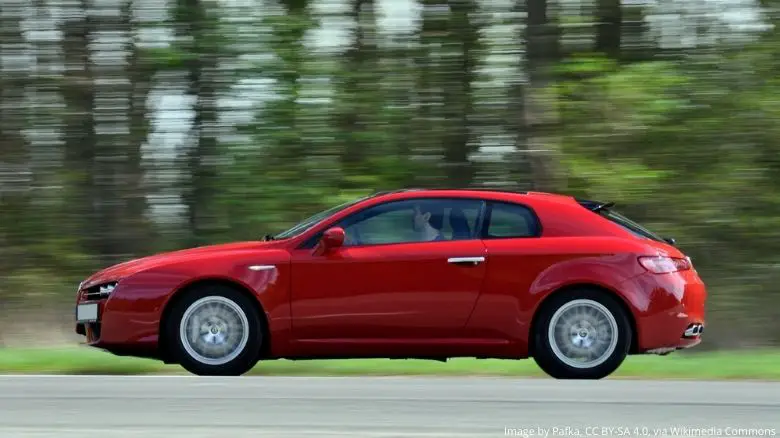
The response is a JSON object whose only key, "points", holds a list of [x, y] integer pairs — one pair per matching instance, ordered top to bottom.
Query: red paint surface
{"points": [[405, 300]]}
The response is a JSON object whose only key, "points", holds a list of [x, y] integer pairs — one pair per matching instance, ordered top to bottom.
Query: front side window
{"points": [[414, 220], [511, 221]]}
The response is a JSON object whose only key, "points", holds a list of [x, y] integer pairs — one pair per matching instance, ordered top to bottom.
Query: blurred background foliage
{"points": [[129, 127]]}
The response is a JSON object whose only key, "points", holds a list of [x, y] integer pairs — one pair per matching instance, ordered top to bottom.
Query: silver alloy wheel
{"points": [[214, 330], [583, 333]]}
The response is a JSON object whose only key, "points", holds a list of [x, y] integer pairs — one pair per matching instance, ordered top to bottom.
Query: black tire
{"points": [[244, 358], [555, 363]]}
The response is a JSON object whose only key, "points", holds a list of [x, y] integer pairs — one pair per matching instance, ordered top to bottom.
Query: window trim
{"points": [[488, 217], [476, 233]]}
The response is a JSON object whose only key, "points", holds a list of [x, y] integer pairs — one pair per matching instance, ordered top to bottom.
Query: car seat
{"points": [[459, 224]]}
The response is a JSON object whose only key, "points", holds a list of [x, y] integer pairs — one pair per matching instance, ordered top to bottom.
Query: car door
{"points": [[518, 258], [386, 284]]}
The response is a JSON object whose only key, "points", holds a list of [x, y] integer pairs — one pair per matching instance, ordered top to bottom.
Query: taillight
{"points": [[663, 264]]}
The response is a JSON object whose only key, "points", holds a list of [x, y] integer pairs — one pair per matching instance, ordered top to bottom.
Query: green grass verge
{"points": [[757, 365]]}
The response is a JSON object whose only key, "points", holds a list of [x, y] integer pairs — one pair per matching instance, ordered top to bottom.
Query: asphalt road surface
{"points": [[193, 407]]}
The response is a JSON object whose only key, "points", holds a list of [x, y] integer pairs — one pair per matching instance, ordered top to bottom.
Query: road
{"points": [[193, 407]]}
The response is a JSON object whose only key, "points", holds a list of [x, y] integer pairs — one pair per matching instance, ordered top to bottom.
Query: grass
{"points": [[753, 365]]}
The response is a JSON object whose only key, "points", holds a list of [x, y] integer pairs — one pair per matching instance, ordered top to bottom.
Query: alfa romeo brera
{"points": [[425, 274]]}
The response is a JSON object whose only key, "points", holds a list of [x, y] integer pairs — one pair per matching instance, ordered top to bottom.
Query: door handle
{"points": [[466, 260]]}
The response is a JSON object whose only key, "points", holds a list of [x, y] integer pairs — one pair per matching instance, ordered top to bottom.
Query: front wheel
{"points": [[215, 330], [582, 334]]}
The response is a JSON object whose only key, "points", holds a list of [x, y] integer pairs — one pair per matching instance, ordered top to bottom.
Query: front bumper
{"points": [[91, 300], [126, 322], [90, 328]]}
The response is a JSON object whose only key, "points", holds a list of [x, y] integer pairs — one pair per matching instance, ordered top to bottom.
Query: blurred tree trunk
{"points": [[609, 20], [291, 34], [542, 37], [462, 43], [637, 43], [200, 51], [360, 62], [400, 74], [140, 75], [44, 120], [80, 138], [13, 145], [115, 146], [428, 149], [14, 152]]}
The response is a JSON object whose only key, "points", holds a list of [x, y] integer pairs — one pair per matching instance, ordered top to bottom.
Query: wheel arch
{"points": [[183, 290], [619, 298]]}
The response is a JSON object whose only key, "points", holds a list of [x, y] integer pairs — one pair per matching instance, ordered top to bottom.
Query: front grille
{"points": [[98, 292], [93, 294]]}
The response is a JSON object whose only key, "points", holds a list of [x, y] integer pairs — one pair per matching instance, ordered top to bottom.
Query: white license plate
{"points": [[87, 312]]}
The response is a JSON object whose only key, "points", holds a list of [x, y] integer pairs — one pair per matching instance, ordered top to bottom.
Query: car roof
{"points": [[482, 193]]}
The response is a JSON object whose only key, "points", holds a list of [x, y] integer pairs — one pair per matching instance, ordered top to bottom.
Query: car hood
{"points": [[130, 267]]}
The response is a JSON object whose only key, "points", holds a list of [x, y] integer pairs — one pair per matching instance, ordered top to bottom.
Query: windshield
{"points": [[304, 225]]}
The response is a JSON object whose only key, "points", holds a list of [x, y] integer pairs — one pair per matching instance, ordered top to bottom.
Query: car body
{"points": [[507, 280]]}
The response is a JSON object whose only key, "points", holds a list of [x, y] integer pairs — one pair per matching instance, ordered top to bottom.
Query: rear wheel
{"points": [[215, 330], [582, 334]]}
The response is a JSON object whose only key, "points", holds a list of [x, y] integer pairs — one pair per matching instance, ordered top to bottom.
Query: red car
{"points": [[427, 274]]}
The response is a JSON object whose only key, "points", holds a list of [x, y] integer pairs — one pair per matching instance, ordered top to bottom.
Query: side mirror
{"points": [[332, 238], [670, 240]]}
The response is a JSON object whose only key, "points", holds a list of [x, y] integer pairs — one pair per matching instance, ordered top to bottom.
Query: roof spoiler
{"points": [[595, 206]]}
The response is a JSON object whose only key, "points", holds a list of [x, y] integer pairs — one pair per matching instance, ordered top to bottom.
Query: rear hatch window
{"points": [[605, 210]]}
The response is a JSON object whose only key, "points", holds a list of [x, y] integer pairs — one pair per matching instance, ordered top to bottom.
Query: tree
{"points": [[609, 16], [542, 38], [199, 47], [462, 49], [140, 72], [80, 136]]}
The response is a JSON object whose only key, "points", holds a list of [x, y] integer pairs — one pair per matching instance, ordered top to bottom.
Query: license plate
{"points": [[87, 312]]}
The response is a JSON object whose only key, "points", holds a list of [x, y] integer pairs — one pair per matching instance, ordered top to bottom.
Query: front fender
{"points": [[132, 314]]}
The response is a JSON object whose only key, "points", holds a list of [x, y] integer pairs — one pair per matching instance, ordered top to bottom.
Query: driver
{"points": [[428, 220]]}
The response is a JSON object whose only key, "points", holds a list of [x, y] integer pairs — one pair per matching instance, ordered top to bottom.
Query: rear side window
{"points": [[617, 218], [510, 221], [630, 225]]}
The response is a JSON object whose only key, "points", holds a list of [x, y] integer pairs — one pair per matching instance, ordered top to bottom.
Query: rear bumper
{"points": [[674, 315], [691, 337]]}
